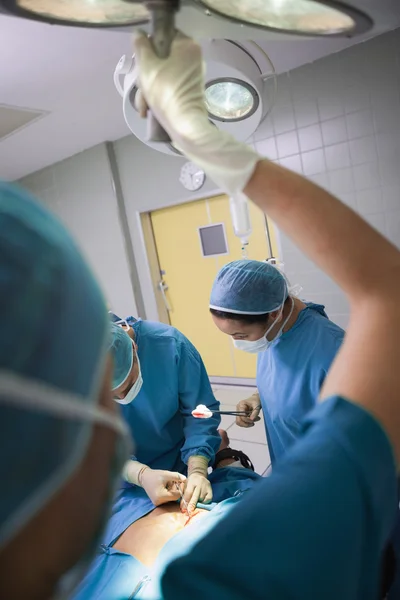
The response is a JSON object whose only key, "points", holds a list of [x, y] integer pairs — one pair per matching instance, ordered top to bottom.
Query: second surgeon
{"points": [[295, 341], [159, 378]]}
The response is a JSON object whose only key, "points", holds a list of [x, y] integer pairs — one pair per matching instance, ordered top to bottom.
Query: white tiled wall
{"points": [[337, 121], [79, 191]]}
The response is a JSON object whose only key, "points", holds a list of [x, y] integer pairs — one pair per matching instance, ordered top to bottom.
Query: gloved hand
{"points": [[174, 90], [252, 404], [160, 486], [198, 488]]}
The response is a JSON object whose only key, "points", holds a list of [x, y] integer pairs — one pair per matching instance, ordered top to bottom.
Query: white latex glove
{"points": [[174, 90], [250, 404], [160, 486], [198, 488]]}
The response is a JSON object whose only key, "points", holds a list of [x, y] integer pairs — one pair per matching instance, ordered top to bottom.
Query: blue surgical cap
{"points": [[248, 287], [55, 336], [122, 353]]}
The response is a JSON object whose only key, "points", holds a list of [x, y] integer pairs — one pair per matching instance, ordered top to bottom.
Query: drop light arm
{"points": [[266, 76]]}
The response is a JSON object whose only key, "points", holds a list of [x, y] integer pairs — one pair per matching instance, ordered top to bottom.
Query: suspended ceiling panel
{"points": [[13, 119]]}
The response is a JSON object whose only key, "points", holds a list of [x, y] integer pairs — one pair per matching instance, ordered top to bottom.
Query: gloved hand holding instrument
{"points": [[248, 411], [160, 486], [197, 488]]}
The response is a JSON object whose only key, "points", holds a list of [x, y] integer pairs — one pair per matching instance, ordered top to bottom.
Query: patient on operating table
{"points": [[145, 538], [137, 549]]}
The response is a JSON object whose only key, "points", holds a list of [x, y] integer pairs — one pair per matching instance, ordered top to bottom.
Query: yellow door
{"points": [[190, 275]]}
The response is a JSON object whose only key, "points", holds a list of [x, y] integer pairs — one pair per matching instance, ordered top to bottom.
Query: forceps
{"points": [[235, 413]]}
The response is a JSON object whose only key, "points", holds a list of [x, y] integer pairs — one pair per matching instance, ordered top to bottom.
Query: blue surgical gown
{"points": [[290, 375], [174, 383], [315, 529], [395, 540]]}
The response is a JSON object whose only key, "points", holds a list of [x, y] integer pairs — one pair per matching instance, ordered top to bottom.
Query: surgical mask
{"points": [[261, 345], [135, 389], [33, 396]]}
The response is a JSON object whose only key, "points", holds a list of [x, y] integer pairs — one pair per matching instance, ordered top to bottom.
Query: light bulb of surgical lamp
{"points": [[230, 99]]}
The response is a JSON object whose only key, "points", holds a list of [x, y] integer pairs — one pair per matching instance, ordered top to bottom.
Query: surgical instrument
{"points": [[203, 412], [237, 413], [185, 504]]}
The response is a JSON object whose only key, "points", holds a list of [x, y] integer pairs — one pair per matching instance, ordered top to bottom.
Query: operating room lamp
{"points": [[299, 17], [238, 79]]}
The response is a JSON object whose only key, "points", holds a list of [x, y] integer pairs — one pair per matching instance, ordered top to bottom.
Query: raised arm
{"points": [[363, 263]]}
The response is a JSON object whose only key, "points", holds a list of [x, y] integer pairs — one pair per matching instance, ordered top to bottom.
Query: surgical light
{"points": [[97, 13], [304, 17], [235, 91], [229, 99]]}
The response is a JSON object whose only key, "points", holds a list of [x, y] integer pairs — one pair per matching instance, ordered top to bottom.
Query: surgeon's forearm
{"points": [[357, 257], [198, 464], [133, 471]]}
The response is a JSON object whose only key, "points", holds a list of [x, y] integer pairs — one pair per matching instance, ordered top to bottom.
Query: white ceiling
{"points": [[68, 72]]}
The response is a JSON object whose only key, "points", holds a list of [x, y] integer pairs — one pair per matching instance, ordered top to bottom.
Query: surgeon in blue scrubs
{"points": [[295, 341], [159, 379], [318, 527]]}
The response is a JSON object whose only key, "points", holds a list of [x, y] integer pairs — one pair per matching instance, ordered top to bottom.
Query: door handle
{"points": [[163, 287]]}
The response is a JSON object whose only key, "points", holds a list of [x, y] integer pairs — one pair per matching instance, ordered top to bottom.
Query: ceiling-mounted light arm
{"points": [[266, 76], [235, 88]]}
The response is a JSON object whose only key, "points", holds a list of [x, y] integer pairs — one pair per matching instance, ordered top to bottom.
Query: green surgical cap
{"points": [[55, 335], [122, 353]]}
